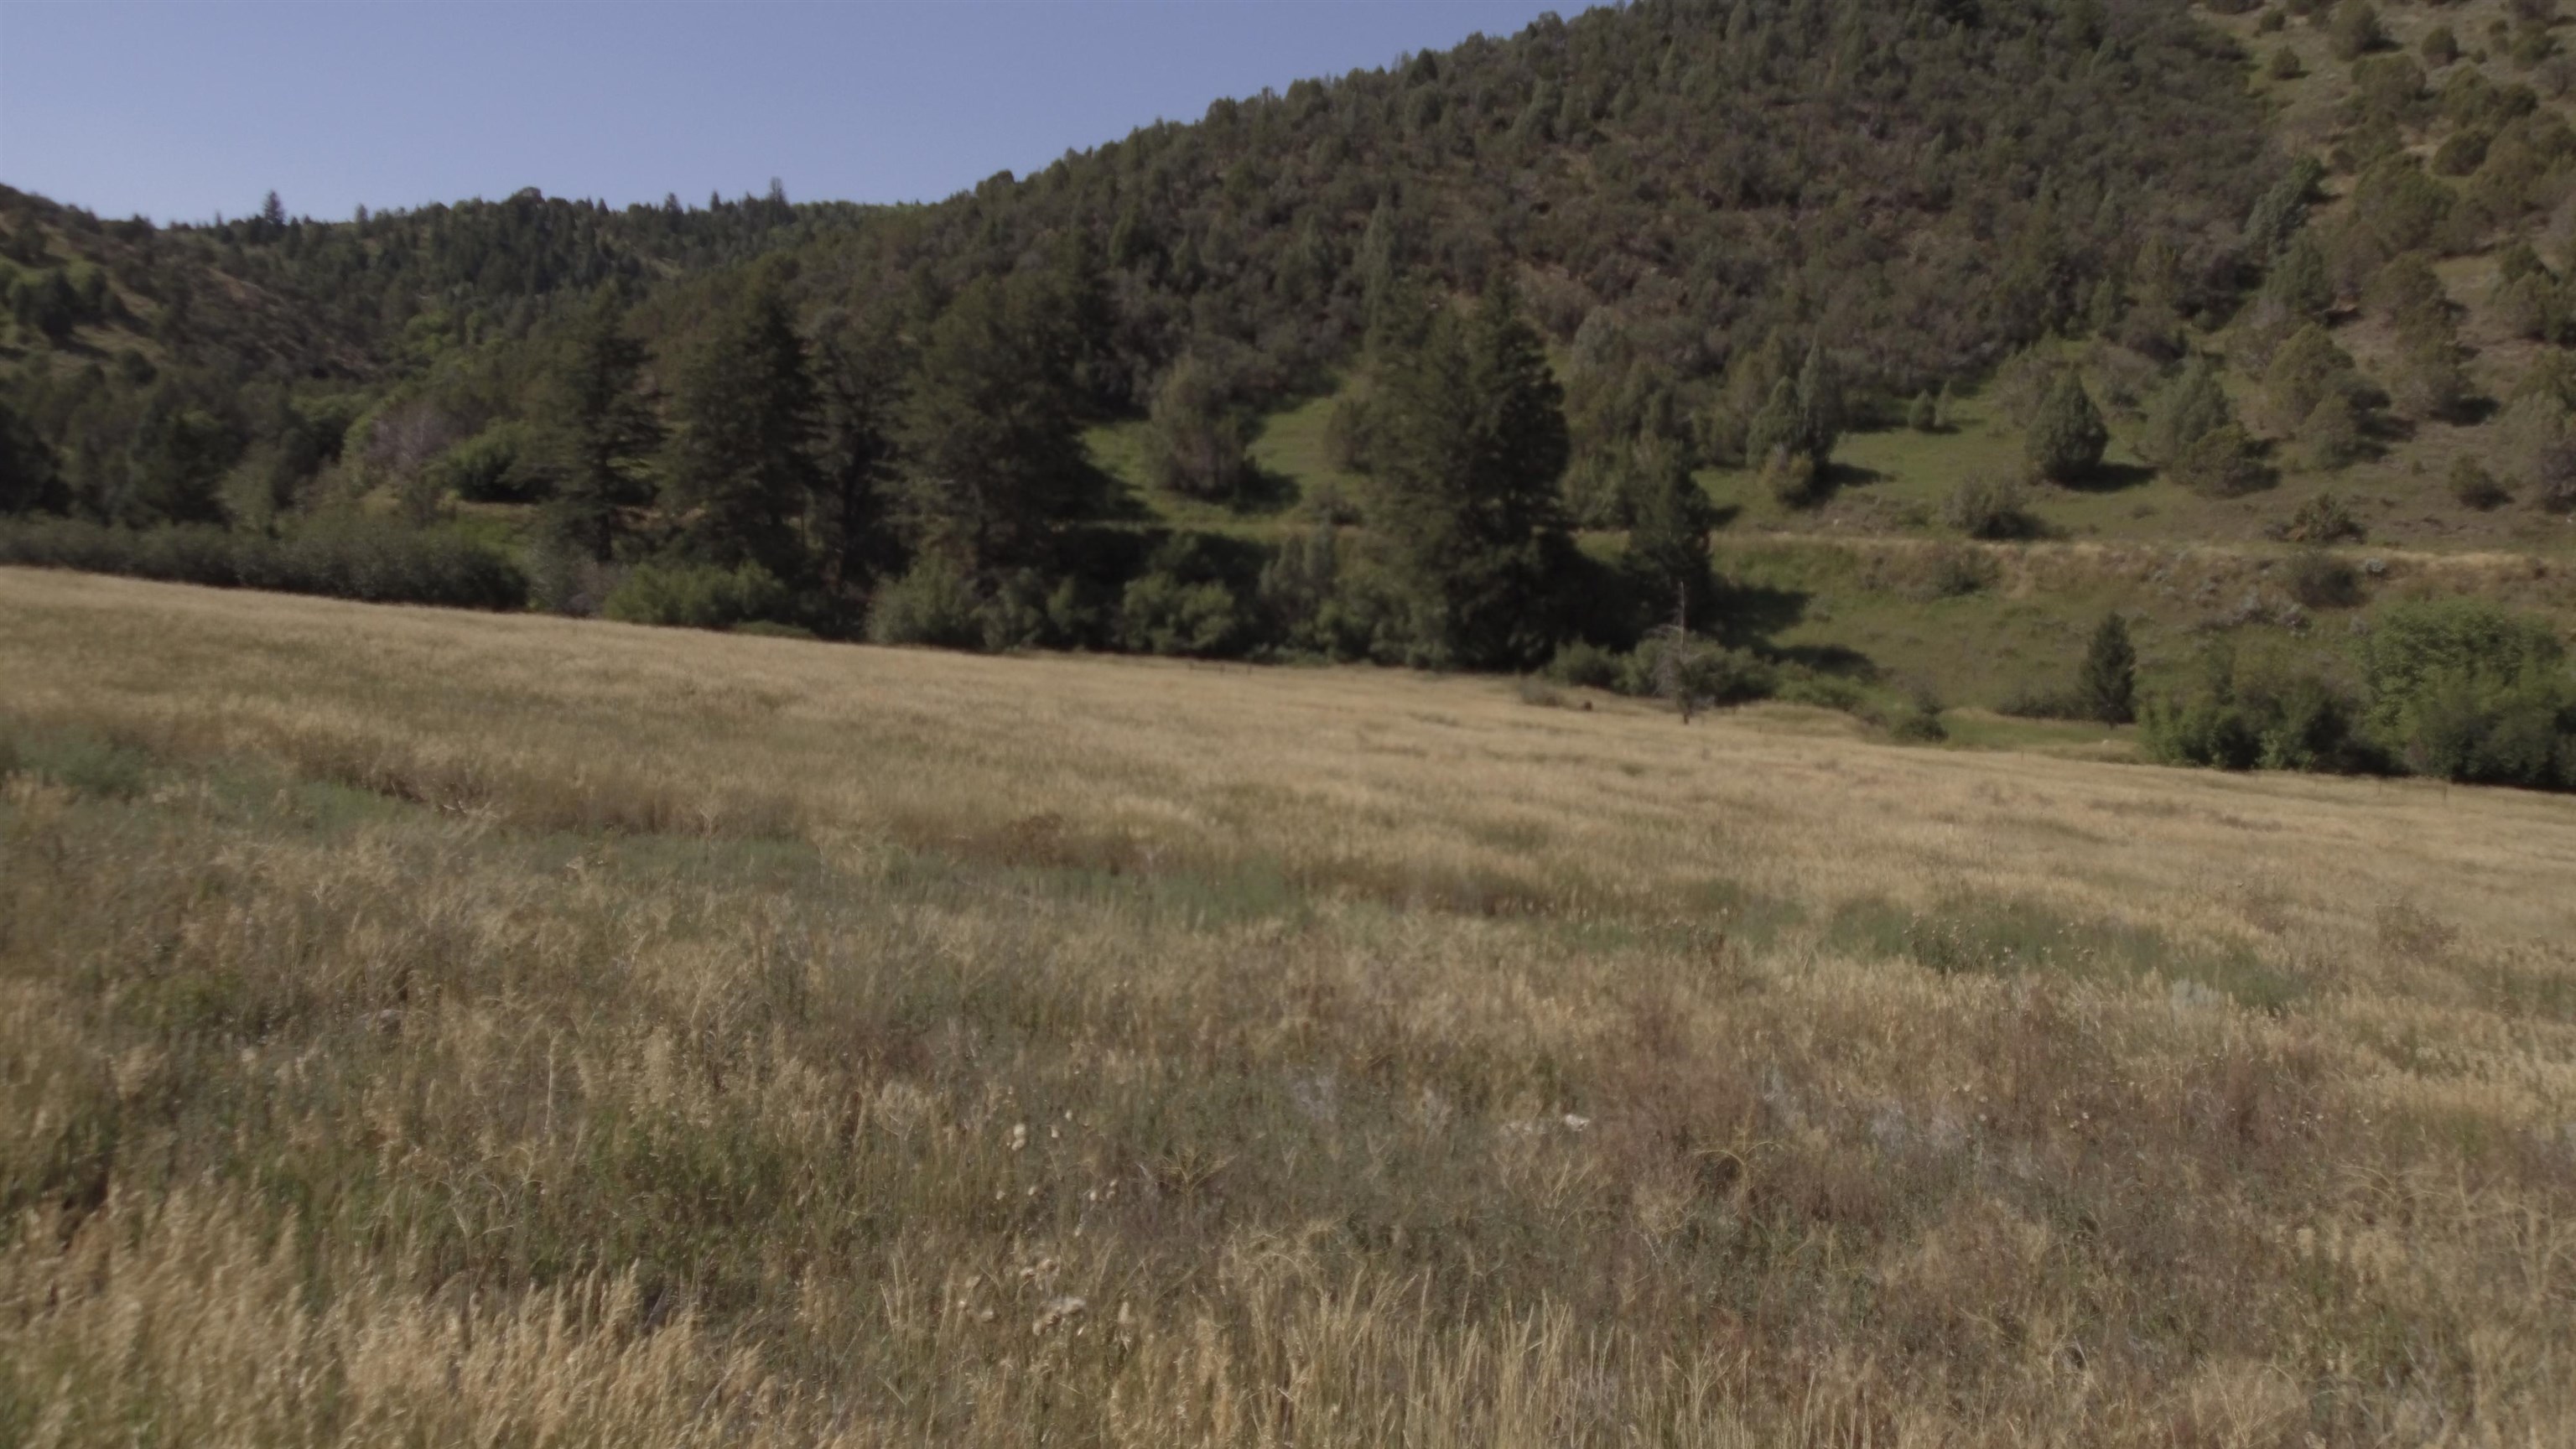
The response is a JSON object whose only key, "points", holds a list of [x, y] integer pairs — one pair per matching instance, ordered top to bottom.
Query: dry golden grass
{"points": [[428, 1028]]}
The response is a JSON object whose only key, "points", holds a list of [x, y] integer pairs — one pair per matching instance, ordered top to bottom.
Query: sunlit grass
{"points": [[447, 1029]]}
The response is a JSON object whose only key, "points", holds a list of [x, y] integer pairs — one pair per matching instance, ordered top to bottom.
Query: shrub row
{"points": [[376, 560], [2457, 689]]}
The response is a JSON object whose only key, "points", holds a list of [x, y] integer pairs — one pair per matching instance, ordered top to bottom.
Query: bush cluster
{"points": [[374, 560], [697, 596], [2457, 689]]}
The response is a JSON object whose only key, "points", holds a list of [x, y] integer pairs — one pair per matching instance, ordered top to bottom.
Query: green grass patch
{"points": [[80, 760], [2014, 936]]}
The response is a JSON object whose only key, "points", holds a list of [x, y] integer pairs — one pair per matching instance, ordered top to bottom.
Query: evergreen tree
{"points": [[1378, 266], [2299, 282], [2304, 370], [857, 375], [1820, 405], [2192, 406], [1923, 415], [599, 432], [989, 434], [2330, 437], [2066, 439], [1470, 445], [179, 456], [2221, 463], [740, 476], [28, 481], [1668, 532], [2107, 686]]}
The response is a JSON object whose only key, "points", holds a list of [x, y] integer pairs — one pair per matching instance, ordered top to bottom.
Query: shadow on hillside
{"points": [[1838, 476], [2111, 478], [1264, 492], [1115, 500], [1752, 616], [1839, 660]]}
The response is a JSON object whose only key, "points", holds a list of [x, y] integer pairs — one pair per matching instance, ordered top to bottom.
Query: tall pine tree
{"points": [[857, 373], [599, 432], [990, 433], [1474, 441], [740, 476]]}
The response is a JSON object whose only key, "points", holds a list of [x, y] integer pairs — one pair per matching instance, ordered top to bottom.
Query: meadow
{"points": [[428, 1028]]}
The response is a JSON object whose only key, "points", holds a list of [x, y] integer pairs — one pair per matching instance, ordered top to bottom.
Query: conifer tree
{"points": [[2299, 283], [2306, 368], [857, 369], [1820, 405], [2193, 405], [990, 430], [600, 432], [2330, 437], [2066, 439], [1473, 442], [2224, 462], [740, 477], [28, 481], [1668, 531], [2107, 686]]}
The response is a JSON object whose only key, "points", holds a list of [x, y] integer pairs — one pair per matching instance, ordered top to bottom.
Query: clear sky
{"points": [[180, 110]]}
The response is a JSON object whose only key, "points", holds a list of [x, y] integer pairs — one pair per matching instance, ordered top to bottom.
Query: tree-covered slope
{"points": [[1925, 185]]}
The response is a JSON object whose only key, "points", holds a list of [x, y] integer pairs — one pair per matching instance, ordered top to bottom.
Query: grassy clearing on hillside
{"points": [[443, 1029]]}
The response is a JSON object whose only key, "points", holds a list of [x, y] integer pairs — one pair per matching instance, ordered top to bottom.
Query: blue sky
{"points": [[181, 110]]}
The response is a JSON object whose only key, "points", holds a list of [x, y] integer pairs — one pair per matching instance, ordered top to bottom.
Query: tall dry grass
{"points": [[420, 1028]]}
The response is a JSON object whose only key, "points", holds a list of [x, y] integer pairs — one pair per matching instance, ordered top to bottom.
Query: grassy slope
{"points": [[433, 1027]]}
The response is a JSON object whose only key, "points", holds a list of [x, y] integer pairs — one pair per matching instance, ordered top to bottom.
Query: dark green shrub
{"points": [[2354, 30], [2190, 408], [1195, 435], [2066, 439], [2224, 462], [490, 467], [2474, 487], [1990, 508], [2322, 520], [371, 559], [2320, 580], [696, 596], [934, 604], [1163, 614], [1586, 665], [1699, 671], [2106, 686], [2463, 689], [2259, 713], [1917, 719]]}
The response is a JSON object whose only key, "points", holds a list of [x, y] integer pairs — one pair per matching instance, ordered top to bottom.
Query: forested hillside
{"points": [[1675, 188], [1457, 362]]}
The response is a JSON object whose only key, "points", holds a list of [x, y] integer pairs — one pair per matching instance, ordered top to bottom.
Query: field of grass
{"points": [[432, 1029]]}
